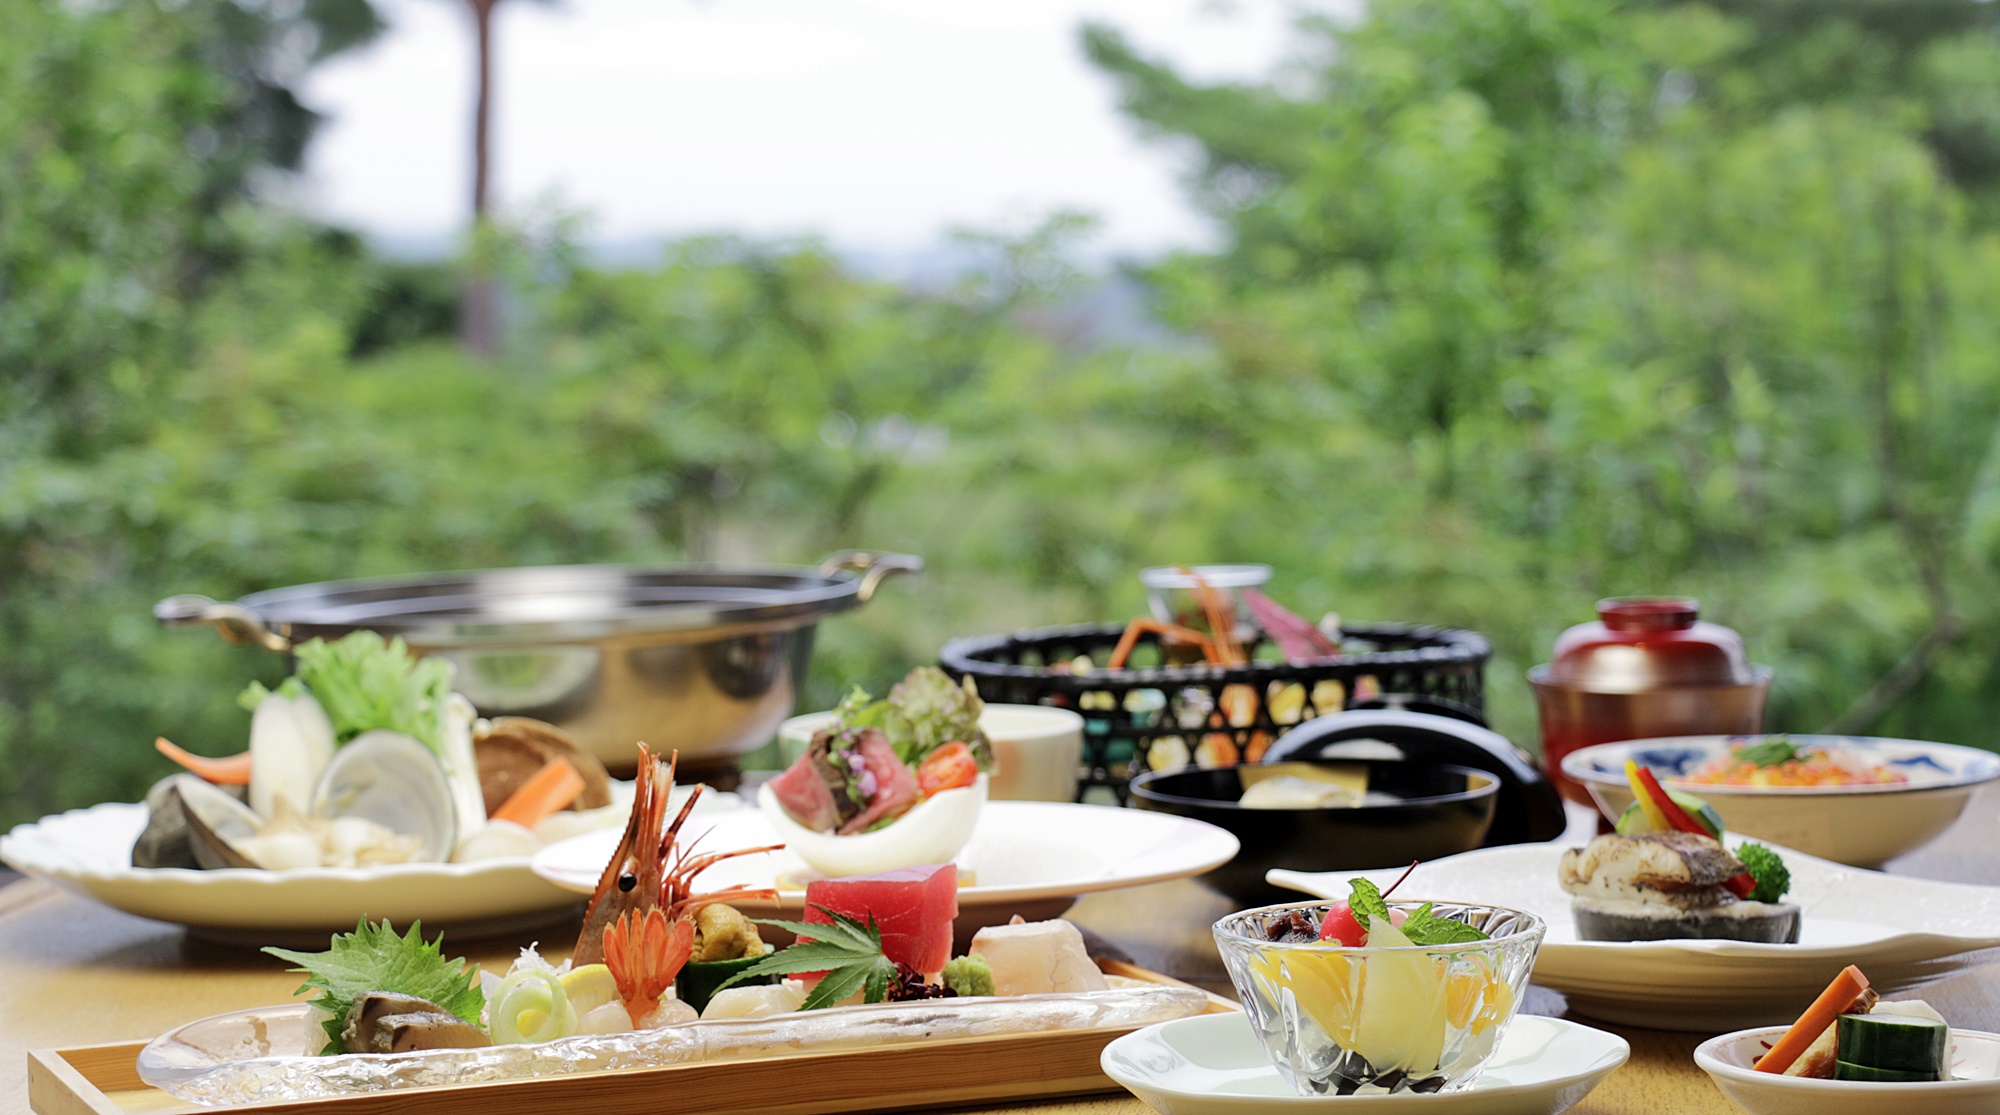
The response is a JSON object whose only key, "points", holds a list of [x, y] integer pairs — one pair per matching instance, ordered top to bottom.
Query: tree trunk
{"points": [[479, 301]]}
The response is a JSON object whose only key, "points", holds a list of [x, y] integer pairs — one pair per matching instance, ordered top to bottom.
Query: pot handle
{"points": [[874, 567], [235, 622]]}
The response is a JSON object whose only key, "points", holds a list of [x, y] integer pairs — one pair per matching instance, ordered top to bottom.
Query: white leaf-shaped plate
{"points": [[89, 852], [1903, 932]]}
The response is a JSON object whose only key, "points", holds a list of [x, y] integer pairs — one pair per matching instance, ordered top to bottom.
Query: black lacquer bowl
{"points": [[1418, 811]]}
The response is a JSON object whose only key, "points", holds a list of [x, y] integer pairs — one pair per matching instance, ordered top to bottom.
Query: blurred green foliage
{"points": [[1522, 302]]}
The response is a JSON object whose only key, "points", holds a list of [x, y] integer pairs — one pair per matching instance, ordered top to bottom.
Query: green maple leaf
{"points": [[847, 950]]}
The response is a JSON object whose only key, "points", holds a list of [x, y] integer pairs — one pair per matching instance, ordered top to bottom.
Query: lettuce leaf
{"points": [[365, 682], [374, 958]]}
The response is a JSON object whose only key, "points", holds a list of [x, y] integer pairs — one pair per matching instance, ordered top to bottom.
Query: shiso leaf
{"points": [[848, 950], [374, 958]]}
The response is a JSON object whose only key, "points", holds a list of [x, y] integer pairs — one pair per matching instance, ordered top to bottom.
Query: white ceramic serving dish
{"points": [[1863, 826], [934, 831], [89, 852], [1027, 858], [1904, 932], [1213, 1065], [1974, 1089]]}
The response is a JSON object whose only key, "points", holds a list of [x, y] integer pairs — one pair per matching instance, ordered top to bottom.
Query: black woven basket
{"points": [[1154, 715]]}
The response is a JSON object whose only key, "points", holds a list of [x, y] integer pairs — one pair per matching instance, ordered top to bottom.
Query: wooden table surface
{"points": [[76, 973]]}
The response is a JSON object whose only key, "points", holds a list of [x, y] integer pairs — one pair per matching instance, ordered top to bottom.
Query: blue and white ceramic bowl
{"points": [[1861, 826]]}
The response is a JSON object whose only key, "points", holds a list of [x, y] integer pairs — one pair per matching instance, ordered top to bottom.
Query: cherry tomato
{"points": [[947, 768], [1341, 927]]}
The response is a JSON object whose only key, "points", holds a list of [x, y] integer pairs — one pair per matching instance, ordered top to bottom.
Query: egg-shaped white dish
{"points": [[933, 832]]}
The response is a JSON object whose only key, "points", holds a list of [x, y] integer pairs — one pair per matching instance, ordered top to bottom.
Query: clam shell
{"points": [[393, 780], [215, 820]]}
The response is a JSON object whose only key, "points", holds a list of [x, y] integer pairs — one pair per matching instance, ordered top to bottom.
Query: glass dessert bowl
{"points": [[1371, 1020]]}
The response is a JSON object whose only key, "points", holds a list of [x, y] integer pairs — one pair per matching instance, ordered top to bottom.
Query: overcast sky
{"points": [[877, 125]]}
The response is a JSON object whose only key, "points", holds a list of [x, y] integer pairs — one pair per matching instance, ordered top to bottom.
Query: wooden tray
{"points": [[104, 1080]]}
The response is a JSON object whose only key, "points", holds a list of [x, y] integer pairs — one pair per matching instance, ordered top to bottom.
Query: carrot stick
{"points": [[229, 770], [551, 788], [1831, 1004]]}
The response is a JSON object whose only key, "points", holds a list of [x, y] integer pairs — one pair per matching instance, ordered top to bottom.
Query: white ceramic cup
{"points": [[1036, 749]]}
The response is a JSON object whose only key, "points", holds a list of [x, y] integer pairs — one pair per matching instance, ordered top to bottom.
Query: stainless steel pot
{"points": [[703, 659]]}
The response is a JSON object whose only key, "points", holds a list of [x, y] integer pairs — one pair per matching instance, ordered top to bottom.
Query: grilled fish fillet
{"points": [[1675, 869]]}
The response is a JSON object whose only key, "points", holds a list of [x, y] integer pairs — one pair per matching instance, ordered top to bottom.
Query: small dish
{"points": [[1412, 810], [1861, 826], [1379, 1018], [1214, 1065], [1974, 1089]]}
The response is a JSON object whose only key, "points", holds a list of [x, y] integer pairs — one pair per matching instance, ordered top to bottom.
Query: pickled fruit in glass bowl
{"points": [[1369, 997]]}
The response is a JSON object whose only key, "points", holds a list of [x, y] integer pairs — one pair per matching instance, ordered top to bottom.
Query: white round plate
{"points": [[1864, 826], [89, 852], [1031, 858], [1903, 932], [1212, 1064], [1974, 1089]]}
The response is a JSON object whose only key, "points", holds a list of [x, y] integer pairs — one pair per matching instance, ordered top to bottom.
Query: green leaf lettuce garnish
{"points": [[364, 682], [922, 713], [847, 950], [374, 958]]}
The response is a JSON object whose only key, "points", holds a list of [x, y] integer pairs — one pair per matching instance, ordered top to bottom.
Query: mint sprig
{"points": [[1365, 899], [1422, 927], [848, 950]]}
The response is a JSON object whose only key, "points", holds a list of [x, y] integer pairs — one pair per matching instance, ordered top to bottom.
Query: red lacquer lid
{"points": [[1642, 643]]}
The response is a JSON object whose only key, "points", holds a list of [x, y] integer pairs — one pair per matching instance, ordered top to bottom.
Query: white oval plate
{"points": [[89, 852], [1026, 857], [1903, 932], [1212, 1064], [1974, 1089]]}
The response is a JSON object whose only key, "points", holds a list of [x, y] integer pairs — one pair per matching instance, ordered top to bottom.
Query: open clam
{"points": [[389, 779], [217, 824]]}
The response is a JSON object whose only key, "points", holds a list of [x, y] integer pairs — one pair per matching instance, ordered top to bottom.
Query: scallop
{"points": [[396, 782]]}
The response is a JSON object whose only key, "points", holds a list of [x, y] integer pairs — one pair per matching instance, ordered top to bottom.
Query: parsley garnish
{"points": [[1775, 751], [848, 951], [373, 958]]}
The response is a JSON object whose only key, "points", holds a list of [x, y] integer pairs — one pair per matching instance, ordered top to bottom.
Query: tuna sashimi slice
{"points": [[912, 906]]}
